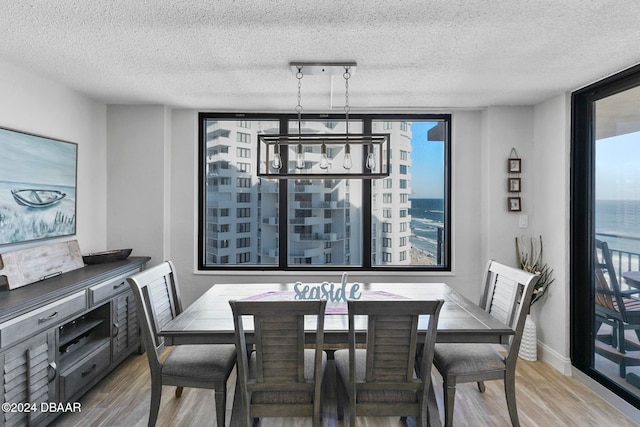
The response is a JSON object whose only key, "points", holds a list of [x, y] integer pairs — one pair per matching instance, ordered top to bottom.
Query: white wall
{"points": [[34, 104], [505, 128], [540, 136], [551, 161], [139, 175]]}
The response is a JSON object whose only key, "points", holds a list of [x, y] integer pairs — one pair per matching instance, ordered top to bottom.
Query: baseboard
{"points": [[555, 359]]}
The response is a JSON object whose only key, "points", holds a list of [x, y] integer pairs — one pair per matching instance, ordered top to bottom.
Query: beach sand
{"points": [[419, 257]]}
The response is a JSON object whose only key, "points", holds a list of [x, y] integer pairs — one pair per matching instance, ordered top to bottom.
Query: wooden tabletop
{"points": [[209, 319]]}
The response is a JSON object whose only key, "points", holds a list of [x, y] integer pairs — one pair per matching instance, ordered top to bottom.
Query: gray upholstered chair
{"points": [[507, 296], [200, 366], [280, 378], [381, 379]]}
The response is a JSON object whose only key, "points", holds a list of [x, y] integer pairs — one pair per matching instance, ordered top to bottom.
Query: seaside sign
{"points": [[328, 291]]}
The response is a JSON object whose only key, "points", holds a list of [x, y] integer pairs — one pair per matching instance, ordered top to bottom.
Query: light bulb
{"points": [[299, 157], [347, 157], [347, 161], [371, 161], [324, 162], [276, 163]]}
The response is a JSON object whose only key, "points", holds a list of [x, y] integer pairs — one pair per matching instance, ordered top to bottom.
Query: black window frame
{"points": [[582, 223], [366, 259]]}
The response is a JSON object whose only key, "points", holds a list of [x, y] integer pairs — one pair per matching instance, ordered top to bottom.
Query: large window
{"points": [[324, 223], [605, 233]]}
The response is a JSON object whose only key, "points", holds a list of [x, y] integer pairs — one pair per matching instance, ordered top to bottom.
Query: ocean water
{"points": [[427, 215], [618, 223]]}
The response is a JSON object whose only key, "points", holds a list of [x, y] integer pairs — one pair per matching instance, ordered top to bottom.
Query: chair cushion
{"points": [[341, 359], [461, 359], [206, 362], [279, 397]]}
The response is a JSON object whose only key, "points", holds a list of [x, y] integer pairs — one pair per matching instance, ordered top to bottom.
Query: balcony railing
{"points": [[623, 261]]}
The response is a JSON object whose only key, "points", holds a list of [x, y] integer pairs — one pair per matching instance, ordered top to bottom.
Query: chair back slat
{"points": [[608, 292], [160, 295], [604, 295], [156, 296], [507, 297], [503, 299], [392, 336], [390, 340], [279, 348]]}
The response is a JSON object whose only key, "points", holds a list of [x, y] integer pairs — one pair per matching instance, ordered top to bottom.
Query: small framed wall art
{"points": [[515, 165], [514, 185], [514, 204]]}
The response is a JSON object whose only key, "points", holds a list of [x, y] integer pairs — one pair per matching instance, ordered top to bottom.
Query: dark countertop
{"points": [[26, 298]]}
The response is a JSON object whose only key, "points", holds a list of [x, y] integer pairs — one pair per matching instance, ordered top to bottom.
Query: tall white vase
{"points": [[529, 344]]}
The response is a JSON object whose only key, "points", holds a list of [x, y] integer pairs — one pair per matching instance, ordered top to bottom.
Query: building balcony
{"points": [[216, 131], [311, 187], [332, 204], [272, 220], [310, 220], [319, 237], [271, 253], [307, 253]]}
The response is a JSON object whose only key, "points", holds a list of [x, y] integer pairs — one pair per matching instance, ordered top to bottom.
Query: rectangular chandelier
{"points": [[324, 155]]}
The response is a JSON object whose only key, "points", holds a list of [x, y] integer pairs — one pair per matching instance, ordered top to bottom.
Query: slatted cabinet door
{"points": [[125, 325], [28, 375]]}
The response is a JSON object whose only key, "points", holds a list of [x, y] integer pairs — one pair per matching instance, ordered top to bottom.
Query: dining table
{"points": [[209, 319]]}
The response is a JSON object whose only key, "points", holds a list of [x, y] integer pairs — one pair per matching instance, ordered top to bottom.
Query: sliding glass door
{"points": [[606, 233]]}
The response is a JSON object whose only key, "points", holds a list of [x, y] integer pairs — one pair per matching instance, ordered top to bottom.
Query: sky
{"points": [[427, 163], [617, 167]]}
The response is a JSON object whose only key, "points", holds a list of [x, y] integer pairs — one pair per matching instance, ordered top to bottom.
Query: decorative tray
{"points": [[106, 256]]}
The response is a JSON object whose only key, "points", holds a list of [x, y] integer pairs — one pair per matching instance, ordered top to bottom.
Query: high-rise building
{"points": [[324, 216]]}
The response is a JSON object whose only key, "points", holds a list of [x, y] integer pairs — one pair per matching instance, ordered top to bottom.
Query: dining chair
{"points": [[506, 296], [618, 308], [200, 366], [279, 378], [381, 379]]}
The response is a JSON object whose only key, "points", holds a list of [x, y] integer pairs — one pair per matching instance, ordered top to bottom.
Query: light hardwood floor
{"points": [[545, 398]]}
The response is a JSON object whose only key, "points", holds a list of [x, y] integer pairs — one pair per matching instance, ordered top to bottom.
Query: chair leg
{"points": [[481, 386], [179, 391], [510, 393], [156, 395], [340, 396], [449, 400], [221, 403], [352, 411]]}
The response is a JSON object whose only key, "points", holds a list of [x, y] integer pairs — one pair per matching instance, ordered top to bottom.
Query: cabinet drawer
{"points": [[106, 290], [48, 316], [81, 374]]}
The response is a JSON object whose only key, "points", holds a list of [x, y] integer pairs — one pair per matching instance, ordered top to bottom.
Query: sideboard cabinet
{"points": [[60, 336]]}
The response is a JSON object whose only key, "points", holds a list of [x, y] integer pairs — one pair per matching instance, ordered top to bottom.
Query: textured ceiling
{"points": [[234, 54]]}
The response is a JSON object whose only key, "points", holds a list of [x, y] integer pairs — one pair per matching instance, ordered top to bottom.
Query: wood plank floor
{"points": [[545, 398]]}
